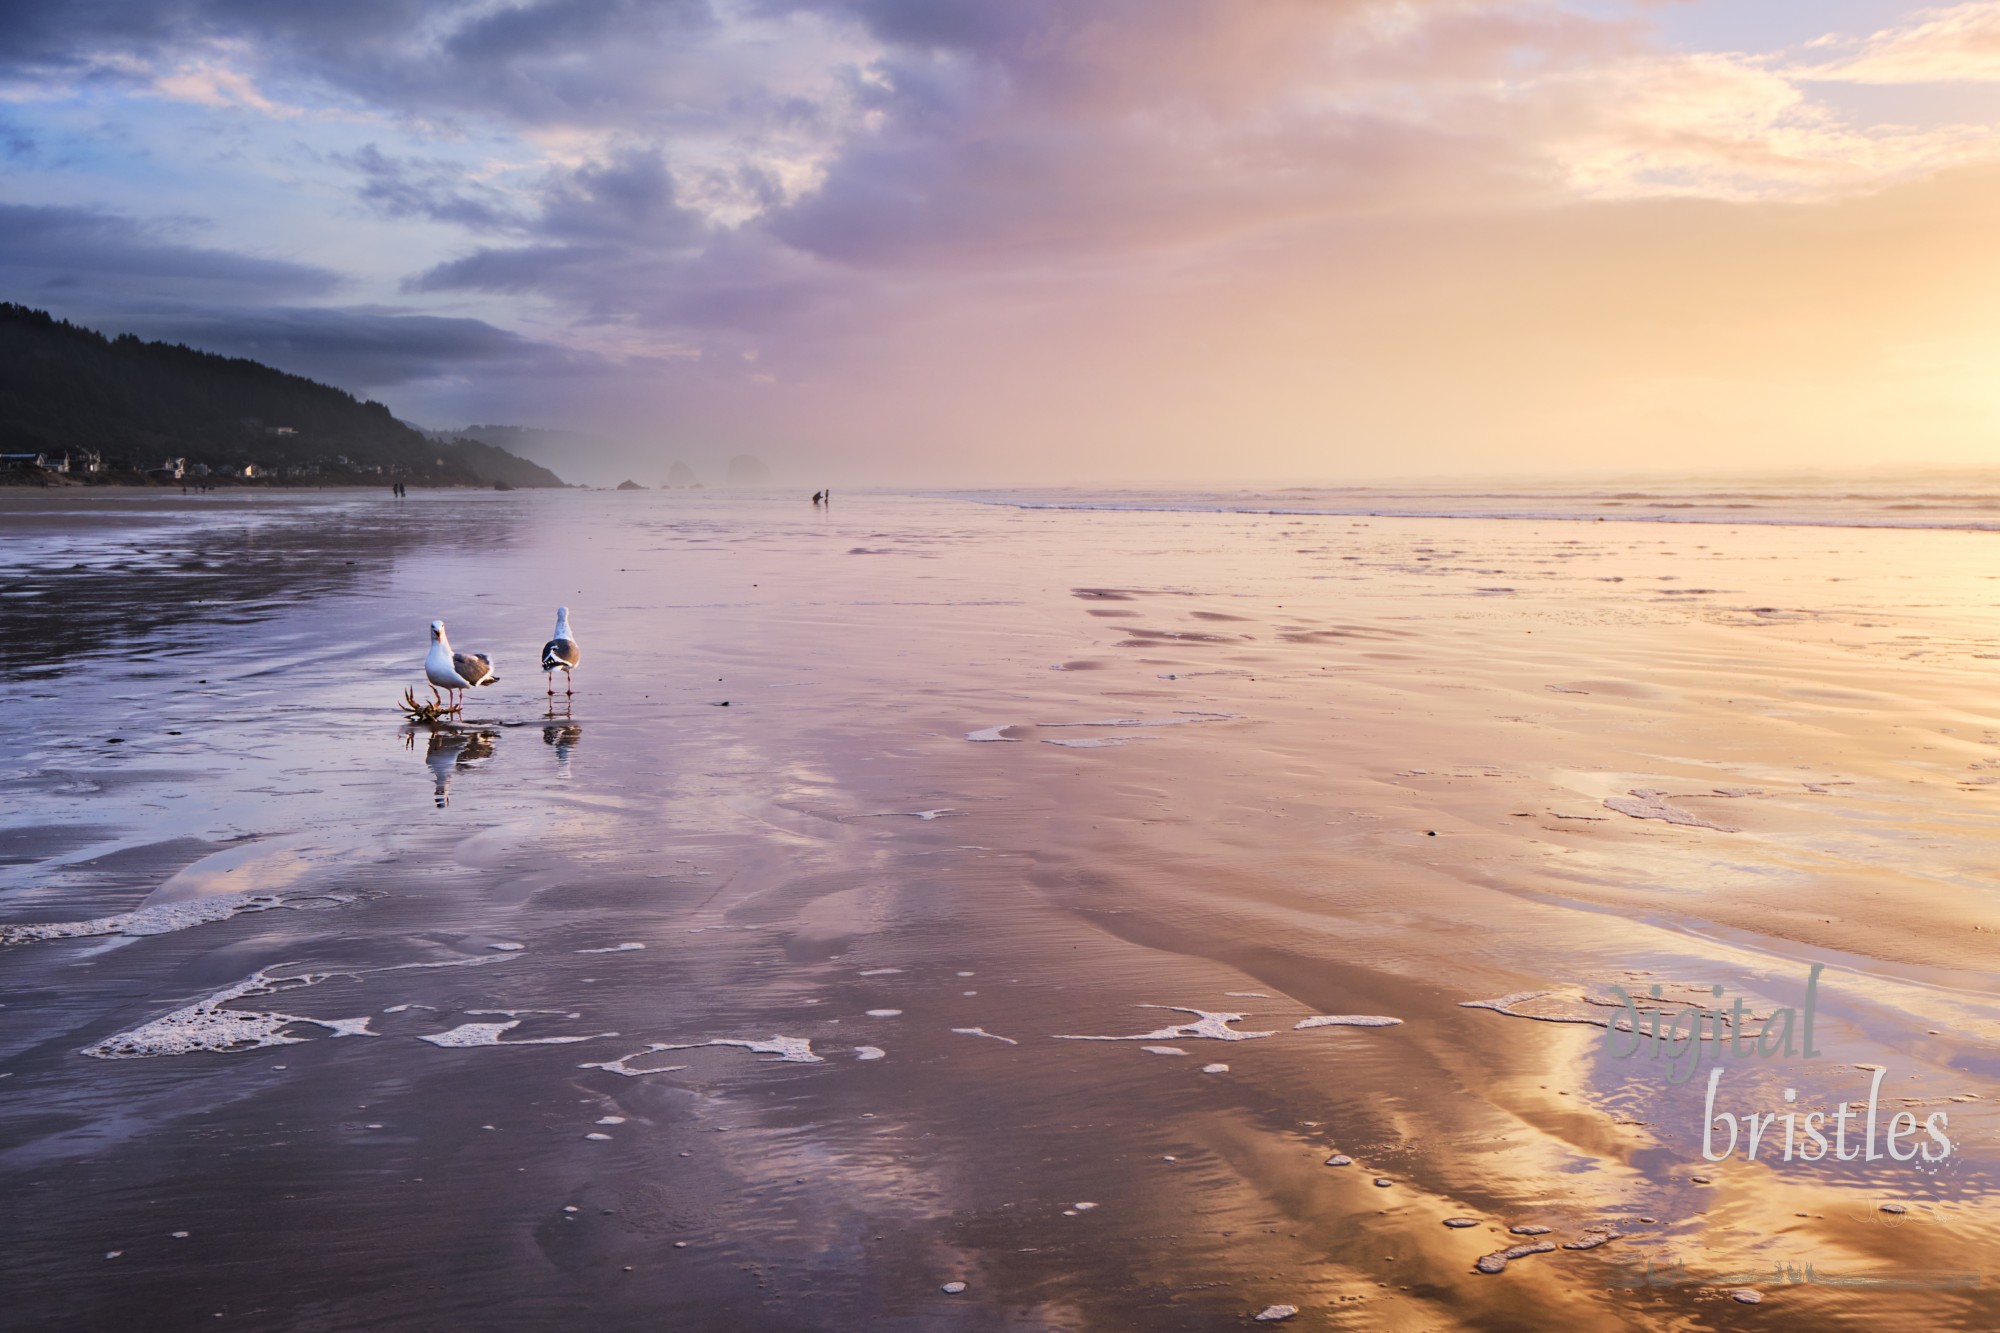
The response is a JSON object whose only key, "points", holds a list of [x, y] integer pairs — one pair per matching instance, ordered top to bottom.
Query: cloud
{"points": [[1960, 44], [216, 81], [1722, 126], [429, 188], [1076, 221], [84, 250], [525, 268], [363, 349]]}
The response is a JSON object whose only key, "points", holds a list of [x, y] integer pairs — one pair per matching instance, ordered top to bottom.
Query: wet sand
{"points": [[769, 983]]}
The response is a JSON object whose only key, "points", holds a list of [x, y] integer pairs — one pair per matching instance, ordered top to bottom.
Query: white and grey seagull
{"points": [[561, 654], [447, 670]]}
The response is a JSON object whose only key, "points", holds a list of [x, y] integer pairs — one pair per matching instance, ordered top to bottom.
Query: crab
{"points": [[437, 710]]}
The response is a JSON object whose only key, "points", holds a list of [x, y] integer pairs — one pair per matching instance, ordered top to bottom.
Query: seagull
{"points": [[561, 653], [447, 670]]}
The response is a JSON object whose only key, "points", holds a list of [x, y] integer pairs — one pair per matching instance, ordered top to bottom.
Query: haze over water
{"points": [[766, 984]]}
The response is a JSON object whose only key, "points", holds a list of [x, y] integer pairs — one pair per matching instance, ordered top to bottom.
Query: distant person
{"points": [[816, 499]]}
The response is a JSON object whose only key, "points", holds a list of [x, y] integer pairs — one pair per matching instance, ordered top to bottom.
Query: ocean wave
{"points": [[1974, 511]]}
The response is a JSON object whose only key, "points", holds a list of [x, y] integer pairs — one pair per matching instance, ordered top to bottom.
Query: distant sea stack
{"points": [[77, 407], [748, 470], [680, 474], [629, 485]]}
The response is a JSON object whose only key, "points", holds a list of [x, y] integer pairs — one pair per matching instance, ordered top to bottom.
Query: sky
{"points": [[1049, 241]]}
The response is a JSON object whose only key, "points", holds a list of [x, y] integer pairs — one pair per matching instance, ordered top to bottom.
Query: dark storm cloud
{"points": [[942, 25], [534, 30], [36, 35], [41, 37], [551, 61], [440, 191], [630, 197], [609, 236], [45, 247], [517, 269], [738, 283], [361, 349]]}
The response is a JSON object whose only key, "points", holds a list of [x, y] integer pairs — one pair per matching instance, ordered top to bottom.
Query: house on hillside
{"points": [[24, 460]]}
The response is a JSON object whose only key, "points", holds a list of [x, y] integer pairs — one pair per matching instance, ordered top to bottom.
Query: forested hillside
{"points": [[119, 408]]}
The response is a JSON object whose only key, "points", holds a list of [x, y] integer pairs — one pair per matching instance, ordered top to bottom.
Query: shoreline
{"points": [[213, 485]]}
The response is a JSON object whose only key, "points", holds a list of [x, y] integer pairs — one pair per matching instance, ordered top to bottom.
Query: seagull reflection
{"points": [[565, 737], [450, 751]]}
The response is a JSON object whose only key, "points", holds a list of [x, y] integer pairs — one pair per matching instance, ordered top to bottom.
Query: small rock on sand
{"points": [[1215, 1069], [1340, 1159], [1383, 1182], [1461, 1222], [1530, 1229], [952, 1288], [1747, 1296], [1272, 1314]]}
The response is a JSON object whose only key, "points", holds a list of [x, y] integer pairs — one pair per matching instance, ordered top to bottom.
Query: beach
{"points": [[1033, 892]]}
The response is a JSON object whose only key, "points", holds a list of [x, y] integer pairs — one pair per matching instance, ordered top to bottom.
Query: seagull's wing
{"points": [[560, 654], [477, 668]]}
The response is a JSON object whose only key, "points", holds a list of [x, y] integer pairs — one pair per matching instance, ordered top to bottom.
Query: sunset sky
{"points": [[1050, 240]]}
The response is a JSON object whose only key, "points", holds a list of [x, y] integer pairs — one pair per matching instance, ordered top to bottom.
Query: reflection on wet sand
{"points": [[124, 570], [564, 737], [450, 751], [1382, 773]]}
